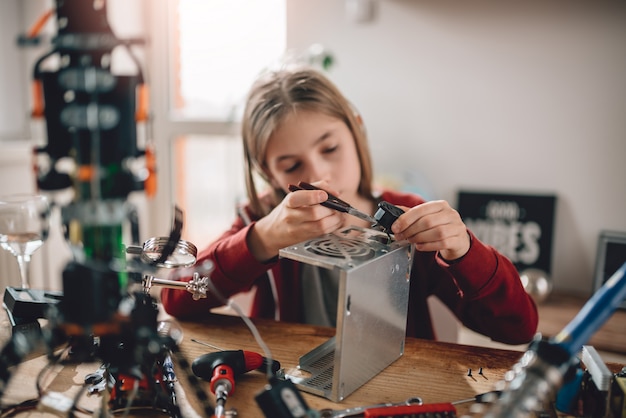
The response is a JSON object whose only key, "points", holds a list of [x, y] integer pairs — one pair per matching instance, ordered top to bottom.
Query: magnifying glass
{"points": [[184, 254]]}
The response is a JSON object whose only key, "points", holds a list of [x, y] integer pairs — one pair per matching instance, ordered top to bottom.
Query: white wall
{"points": [[12, 80], [505, 96], [16, 175]]}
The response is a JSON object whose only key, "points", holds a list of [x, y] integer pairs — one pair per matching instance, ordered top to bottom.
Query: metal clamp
{"points": [[184, 254], [197, 286]]}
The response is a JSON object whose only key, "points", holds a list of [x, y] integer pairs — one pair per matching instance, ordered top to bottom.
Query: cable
{"points": [[40, 23], [270, 273], [253, 329], [54, 361], [193, 381], [131, 398], [75, 406], [11, 410]]}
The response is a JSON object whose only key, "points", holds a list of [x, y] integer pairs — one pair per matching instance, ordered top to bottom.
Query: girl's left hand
{"points": [[434, 226]]}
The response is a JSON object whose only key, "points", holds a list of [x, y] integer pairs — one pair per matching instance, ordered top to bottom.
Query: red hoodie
{"points": [[482, 289]]}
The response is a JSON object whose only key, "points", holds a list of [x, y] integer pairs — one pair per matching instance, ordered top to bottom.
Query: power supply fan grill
{"points": [[336, 247]]}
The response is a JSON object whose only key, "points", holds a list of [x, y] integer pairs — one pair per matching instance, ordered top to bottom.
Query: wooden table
{"points": [[435, 371]]}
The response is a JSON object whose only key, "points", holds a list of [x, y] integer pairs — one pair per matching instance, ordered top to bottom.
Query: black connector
{"points": [[386, 215], [281, 399]]}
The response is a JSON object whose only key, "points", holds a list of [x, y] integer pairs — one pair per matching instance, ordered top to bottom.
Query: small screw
{"points": [[480, 370], [469, 372]]}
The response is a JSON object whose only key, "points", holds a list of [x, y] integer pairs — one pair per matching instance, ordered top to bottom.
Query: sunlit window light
{"points": [[220, 47]]}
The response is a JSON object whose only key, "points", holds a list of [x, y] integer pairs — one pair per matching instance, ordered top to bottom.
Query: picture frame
{"points": [[519, 225], [610, 256]]}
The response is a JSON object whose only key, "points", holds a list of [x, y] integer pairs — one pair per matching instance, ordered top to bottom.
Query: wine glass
{"points": [[24, 226]]}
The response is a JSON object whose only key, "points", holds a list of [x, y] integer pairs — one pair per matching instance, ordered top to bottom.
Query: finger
{"points": [[324, 185], [301, 198], [303, 206], [428, 208], [417, 215], [313, 226], [433, 227], [439, 237]]}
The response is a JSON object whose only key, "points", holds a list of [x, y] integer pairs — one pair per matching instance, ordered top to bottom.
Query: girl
{"points": [[298, 126]]}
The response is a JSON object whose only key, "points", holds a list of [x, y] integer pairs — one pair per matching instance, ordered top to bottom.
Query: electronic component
{"points": [[93, 150], [386, 215], [373, 295], [30, 303], [23, 325], [547, 364], [600, 374], [618, 396], [281, 399], [56, 403]]}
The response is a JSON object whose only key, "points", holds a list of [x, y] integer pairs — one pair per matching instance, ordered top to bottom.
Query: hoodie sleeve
{"points": [[234, 270], [483, 288], [489, 297]]}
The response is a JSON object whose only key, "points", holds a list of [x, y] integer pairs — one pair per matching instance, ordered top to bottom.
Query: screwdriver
{"points": [[334, 202], [384, 217], [221, 368], [169, 377], [222, 384], [486, 397]]}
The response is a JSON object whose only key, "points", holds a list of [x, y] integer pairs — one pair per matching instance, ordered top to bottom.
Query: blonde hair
{"points": [[274, 96]]}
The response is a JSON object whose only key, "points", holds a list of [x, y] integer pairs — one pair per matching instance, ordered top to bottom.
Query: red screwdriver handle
{"points": [[240, 362], [223, 375]]}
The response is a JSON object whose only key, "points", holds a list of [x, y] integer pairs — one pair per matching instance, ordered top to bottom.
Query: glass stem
{"points": [[24, 262]]}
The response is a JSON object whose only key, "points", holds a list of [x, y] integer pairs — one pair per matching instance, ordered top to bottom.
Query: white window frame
{"points": [[165, 126]]}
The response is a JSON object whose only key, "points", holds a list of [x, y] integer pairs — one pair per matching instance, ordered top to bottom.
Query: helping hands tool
{"points": [[384, 217]]}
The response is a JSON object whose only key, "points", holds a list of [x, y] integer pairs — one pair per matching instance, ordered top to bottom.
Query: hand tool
{"points": [[334, 202], [385, 215], [207, 344], [240, 361], [221, 367], [169, 377], [96, 382], [222, 384], [486, 397], [360, 410], [440, 410]]}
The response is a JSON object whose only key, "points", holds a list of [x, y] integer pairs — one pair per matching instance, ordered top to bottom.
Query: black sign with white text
{"points": [[518, 226]]}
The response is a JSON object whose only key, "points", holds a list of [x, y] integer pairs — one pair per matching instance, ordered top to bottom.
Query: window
{"points": [[219, 48], [215, 50], [14, 74], [210, 184]]}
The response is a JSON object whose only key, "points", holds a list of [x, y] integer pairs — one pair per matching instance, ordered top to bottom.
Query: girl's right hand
{"points": [[297, 218]]}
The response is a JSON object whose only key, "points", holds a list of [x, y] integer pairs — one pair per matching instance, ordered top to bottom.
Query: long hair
{"points": [[274, 96]]}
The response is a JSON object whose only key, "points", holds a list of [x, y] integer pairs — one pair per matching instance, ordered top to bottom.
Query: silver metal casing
{"points": [[374, 279]]}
